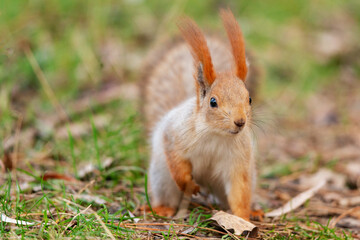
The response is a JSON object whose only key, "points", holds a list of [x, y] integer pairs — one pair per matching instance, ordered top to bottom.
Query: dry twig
{"points": [[344, 214]]}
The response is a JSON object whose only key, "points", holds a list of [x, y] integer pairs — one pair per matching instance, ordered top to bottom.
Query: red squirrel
{"points": [[198, 110]]}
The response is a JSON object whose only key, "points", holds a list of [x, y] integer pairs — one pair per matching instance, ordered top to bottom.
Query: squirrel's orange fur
{"points": [[237, 42], [199, 49], [197, 145]]}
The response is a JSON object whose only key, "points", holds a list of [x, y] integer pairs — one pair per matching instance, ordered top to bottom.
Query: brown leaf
{"points": [[7, 162], [54, 175], [231, 222]]}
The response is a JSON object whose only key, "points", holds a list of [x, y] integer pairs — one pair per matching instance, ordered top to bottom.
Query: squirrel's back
{"points": [[168, 76]]}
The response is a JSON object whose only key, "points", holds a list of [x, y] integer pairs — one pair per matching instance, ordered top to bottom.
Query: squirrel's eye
{"points": [[250, 100], [213, 102]]}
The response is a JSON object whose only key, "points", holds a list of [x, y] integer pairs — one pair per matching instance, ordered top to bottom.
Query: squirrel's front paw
{"points": [[188, 185], [192, 188], [196, 189]]}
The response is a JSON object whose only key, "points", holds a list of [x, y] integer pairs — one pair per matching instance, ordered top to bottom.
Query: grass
{"points": [[69, 41]]}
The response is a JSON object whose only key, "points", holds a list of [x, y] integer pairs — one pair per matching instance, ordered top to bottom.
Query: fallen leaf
{"points": [[6, 162], [54, 175], [297, 201], [7, 219], [231, 222]]}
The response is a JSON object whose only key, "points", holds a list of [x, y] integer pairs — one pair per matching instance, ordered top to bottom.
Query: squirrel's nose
{"points": [[240, 122]]}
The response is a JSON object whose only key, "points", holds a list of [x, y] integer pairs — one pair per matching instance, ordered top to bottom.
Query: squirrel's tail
{"points": [[160, 83]]}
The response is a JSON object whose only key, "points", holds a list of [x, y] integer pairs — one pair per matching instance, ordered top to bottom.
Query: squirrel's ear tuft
{"points": [[237, 42], [199, 49], [203, 85]]}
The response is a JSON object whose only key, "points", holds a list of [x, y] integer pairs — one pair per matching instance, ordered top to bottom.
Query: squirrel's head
{"points": [[221, 97]]}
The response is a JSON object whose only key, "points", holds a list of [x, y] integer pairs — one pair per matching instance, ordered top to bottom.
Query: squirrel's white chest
{"points": [[210, 159]]}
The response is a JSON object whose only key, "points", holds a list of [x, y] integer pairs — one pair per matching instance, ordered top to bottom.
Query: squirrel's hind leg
{"points": [[164, 193], [159, 210], [164, 211]]}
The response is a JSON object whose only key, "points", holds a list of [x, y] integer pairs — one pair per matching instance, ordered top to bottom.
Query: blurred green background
{"points": [[83, 46]]}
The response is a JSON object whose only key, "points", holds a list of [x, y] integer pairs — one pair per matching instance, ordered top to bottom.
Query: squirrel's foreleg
{"points": [[181, 171], [239, 196]]}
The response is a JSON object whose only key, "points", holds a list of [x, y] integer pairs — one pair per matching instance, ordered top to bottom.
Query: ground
{"points": [[73, 148]]}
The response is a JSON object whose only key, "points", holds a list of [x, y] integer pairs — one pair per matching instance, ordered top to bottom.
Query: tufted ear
{"points": [[237, 42], [205, 74], [203, 85]]}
